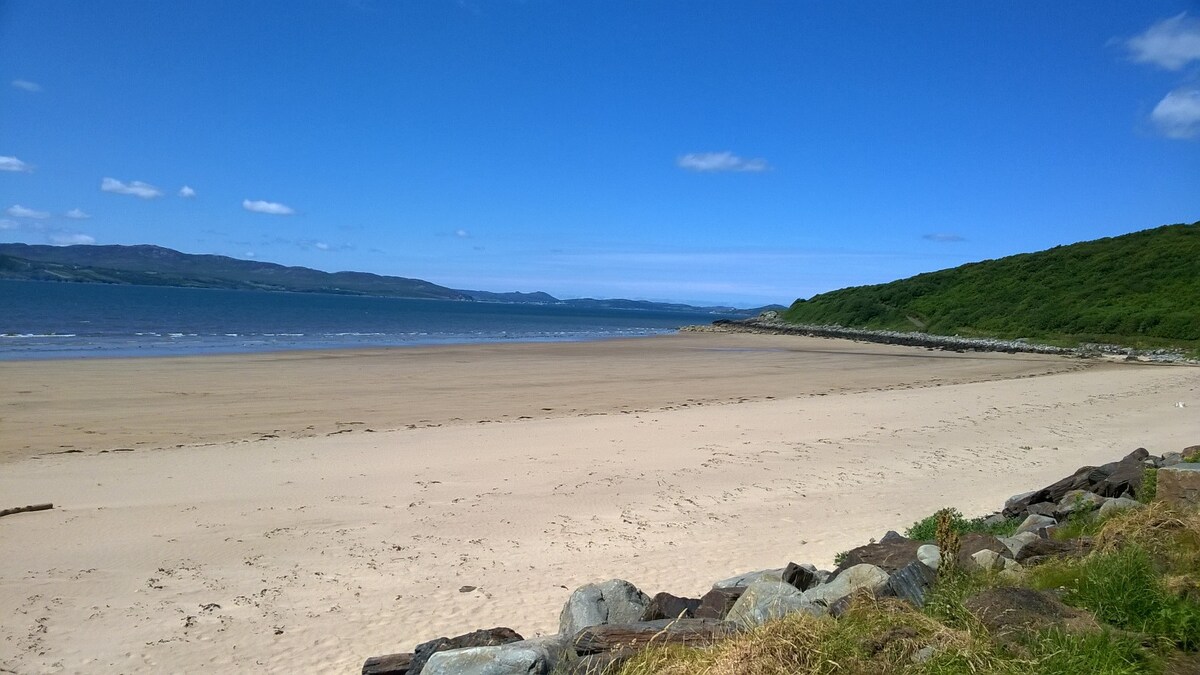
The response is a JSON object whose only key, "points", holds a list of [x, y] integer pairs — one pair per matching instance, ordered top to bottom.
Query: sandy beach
{"points": [[302, 511]]}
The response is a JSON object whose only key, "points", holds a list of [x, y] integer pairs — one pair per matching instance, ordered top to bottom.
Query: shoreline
{"points": [[94, 405]]}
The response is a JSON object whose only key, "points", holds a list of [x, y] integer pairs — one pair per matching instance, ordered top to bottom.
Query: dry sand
{"points": [[272, 542]]}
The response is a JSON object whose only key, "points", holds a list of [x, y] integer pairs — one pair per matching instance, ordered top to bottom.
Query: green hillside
{"points": [[1142, 288]]}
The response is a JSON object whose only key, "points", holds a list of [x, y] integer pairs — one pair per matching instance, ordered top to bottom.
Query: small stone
{"points": [[1118, 504], [1035, 522], [891, 536], [1018, 541], [930, 556], [988, 560], [466, 589], [923, 654]]}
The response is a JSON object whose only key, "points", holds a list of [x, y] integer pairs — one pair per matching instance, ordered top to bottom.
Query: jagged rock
{"points": [[1170, 459], [1124, 475], [1109, 480], [1179, 485], [1077, 501], [1015, 505], [1111, 506], [1043, 509], [994, 519], [1035, 522], [890, 536], [1018, 541], [1042, 548], [889, 556], [930, 556], [987, 560], [862, 576], [751, 577], [802, 577], [911, 582], [767, 600], [613, 601], [716, 603], [667, 606], [1008, 610], [618, 637], [481, 638], [513, 659], [391, 664]]}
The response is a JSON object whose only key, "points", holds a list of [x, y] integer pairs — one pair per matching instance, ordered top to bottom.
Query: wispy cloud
{"points": [[1171, 43], [26, 85], [1178, 114], [720, 161], [14, 164], [136, 188], [187, 192], [272, 208], [18, 211], [77, 214], [6, 224], [462, 234], [944, 237], [71, 239]]}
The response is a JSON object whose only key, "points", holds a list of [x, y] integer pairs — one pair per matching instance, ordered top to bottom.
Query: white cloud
{"points": [[1171, 43], [27, 85], [1178, 114], [720, 161], [14, 164], [136, 188], [186, 192], [273, 208], [18, 211], [77, 214], [6, 224], [462, 234], [71, 239], [321, 246]]}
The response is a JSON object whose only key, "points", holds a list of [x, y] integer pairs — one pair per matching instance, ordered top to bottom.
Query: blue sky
{"points": [[735, 152]]}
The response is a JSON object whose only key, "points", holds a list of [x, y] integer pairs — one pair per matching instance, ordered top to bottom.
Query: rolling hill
{"points": [[1142, 287]]}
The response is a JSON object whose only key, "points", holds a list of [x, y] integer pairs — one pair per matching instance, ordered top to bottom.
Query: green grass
{"points": [[1138, 289], [1149, 489], [926, 528], [1141, 582]]}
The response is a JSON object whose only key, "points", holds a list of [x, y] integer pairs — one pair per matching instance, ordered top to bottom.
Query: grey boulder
{"points": [[864, 576], [766, 600], [613, 601], [517, 658]]}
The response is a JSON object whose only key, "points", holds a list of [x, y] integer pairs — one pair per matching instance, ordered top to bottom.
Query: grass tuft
{"points": [[926, 528]]}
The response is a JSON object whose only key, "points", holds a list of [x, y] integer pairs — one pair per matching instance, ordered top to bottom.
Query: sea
{"points": [[51, 320]]}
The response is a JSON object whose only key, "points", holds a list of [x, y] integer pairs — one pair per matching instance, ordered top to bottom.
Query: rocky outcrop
{"points": [[604, 624]]}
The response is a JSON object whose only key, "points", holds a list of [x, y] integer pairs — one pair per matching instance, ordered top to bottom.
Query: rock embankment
{"points": [[771, 325], [603, 624]]}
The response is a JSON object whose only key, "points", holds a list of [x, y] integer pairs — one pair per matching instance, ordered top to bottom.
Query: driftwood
{"points": [[24, 509], [616, 637], [392, 664]]}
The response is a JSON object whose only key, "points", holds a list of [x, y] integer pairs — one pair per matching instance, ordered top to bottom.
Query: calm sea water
{"points": [[66, 320]]}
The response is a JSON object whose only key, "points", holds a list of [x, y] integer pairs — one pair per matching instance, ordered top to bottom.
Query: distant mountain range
{"points": [[150, 265]]}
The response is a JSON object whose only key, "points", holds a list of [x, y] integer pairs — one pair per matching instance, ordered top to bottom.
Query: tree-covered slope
{"points": [[1139, 286]]}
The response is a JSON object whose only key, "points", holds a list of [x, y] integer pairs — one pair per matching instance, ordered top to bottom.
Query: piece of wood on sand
{"points": [[26, 509]]}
